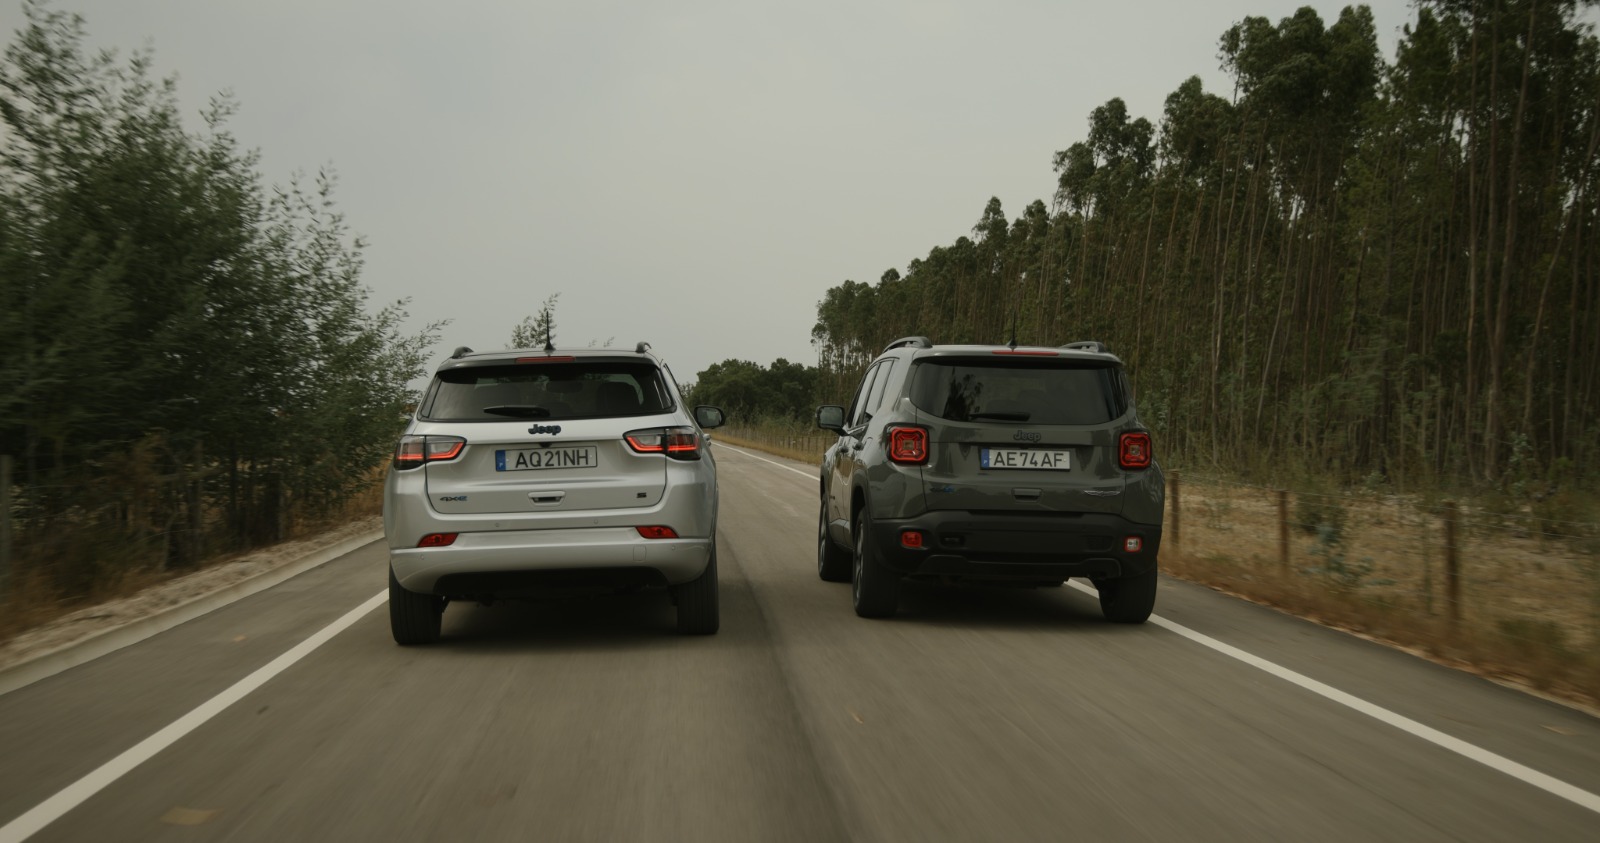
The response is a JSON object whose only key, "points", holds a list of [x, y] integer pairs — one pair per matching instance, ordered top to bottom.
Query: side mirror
{"points": [[708, 417], [831, 417]]}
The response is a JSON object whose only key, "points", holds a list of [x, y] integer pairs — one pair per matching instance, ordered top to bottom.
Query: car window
{"points": [[577, 390], [1054, 392], [875, 401], [858, 405]]}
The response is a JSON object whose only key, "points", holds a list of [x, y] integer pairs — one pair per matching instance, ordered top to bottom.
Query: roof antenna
{"points": [[1014, 309], [548, 345]]}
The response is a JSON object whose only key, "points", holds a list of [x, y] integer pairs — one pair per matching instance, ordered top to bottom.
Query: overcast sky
{"points": [[695, 174]]}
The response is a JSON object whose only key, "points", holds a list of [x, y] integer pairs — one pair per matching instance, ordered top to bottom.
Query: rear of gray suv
{"points": [[994, 464], [529, 474]]}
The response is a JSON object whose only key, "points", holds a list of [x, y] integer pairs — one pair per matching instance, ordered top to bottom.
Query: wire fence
{"points": [[799, 444], [1513, 580]]}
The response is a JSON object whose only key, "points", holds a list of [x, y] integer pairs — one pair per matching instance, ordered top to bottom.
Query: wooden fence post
{"points": [[1177, 518], [5, 523], [1283, 529], [1452, 562]]}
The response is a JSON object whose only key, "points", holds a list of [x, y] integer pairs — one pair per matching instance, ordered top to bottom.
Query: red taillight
{"points": [[1026, 352], [568, 359], [680, 443], [908, 445], [416, 450], [1133, 450], [657, 532], [911, 539], [437, 540], [1133, 544]]}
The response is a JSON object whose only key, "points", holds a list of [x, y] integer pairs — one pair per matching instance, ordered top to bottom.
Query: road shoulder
{"points": [[96, 630]]}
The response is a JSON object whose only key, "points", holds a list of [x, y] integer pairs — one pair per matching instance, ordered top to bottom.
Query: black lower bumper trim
{"points": [[1019, 547]]}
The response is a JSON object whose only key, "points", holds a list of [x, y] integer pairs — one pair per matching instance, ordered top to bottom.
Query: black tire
{"points": [[833, 564], [874, 589], [1129, 599], [697, 601], [413, 618]]}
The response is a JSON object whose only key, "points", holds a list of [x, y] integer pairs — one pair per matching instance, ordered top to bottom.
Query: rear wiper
{"points": [[521, 411], [1001, 416]]}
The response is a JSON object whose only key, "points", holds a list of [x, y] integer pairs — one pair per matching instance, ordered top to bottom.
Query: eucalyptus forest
{"points": [[1366, 269]]}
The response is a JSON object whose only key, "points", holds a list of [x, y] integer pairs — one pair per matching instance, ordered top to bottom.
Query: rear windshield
{"points": [[579, 390], [1021, 391]]}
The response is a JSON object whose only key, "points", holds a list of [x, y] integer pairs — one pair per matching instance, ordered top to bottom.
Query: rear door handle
{"points": [[546, 498]]}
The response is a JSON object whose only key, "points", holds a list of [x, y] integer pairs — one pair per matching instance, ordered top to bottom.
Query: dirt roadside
{"points": [[92, 622]]}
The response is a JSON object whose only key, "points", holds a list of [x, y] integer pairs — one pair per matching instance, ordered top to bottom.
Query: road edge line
{"points": [[745, 452], [1499, 763], [43, 814]]}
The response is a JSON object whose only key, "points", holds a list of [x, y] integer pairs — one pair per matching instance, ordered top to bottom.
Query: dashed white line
{"points": [[1521, 772], [78, 792]]}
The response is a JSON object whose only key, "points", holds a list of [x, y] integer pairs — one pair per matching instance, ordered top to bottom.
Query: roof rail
{"points": [[912, 342], [1089, 345], [641, 347], [460, 352]]}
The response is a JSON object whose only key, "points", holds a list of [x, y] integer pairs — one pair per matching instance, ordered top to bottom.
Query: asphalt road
{"points": [[976, 714]]}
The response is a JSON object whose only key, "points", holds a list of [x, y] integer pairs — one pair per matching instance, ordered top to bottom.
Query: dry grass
{"points": [[1528, 608]]}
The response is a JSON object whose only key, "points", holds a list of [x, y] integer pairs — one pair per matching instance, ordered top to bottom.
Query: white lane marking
{"points": [[745, 453], [1523, 773], [75, 794]]}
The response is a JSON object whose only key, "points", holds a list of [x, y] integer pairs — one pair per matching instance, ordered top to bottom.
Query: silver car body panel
{"points": [[551, 519]]}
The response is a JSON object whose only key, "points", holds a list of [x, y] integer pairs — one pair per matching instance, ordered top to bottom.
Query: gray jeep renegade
{"points": [[992, 464]]}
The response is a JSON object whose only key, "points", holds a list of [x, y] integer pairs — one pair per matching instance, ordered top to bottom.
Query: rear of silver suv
{"points": [[994, 464], [528, 474]]}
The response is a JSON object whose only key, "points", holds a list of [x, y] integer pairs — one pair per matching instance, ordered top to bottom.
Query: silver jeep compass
{"points": [[548, 472]]}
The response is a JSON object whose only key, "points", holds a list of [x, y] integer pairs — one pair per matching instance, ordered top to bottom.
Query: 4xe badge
{"points": [[545, 428], [1028, 436]]}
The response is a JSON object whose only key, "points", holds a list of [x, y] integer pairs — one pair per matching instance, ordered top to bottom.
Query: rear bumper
{"points": [[1017, 547], [595, 550]]}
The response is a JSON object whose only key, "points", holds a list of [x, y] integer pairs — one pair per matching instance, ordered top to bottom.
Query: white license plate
{"points": [[581, 456], [1024, 458]]}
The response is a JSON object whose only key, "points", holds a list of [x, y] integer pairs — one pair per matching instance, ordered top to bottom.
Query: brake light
{"points": [[1025, 352], [567, 359], [679, 443], [908, 445], [415, 450], [1133, 450], [657, 532], [911, 539], [437, 540]]}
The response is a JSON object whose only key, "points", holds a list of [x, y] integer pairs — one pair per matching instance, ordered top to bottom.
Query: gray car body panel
{"points": [[950, 488]]}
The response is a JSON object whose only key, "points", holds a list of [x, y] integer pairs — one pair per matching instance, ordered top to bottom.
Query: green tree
{"points": [[159, 308], [783, 391]]}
